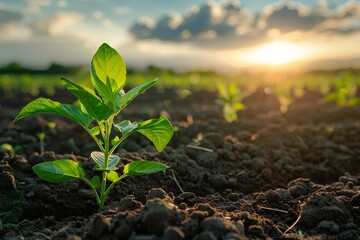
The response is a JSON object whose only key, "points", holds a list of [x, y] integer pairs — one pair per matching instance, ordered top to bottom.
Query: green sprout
{"points": [[108, 76], [345, 91], [230, 98], [41, 137], [5, 147]]}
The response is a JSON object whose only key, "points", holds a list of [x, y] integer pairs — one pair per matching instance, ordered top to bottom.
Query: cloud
{"points": [[41, 3], [34, 6], [122, 10], [7, 16], [288, 17], [345, 20], [207, 22], [54, 23], [9, 24], [229, 25], [66, 50]]}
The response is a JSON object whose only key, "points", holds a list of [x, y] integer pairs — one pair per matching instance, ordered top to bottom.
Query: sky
{"points": [[226, 35]]}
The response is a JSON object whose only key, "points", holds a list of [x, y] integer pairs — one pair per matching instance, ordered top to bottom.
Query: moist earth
{"points": [[268, 175]]}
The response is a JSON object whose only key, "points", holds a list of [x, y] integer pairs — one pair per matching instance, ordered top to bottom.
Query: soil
{"points": [[268, 175]]}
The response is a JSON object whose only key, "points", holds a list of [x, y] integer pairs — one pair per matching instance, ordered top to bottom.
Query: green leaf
{"points": [[108, 73], [223, 92], [331, 97], [124, 99], [89, 100], [354, 101], [44, 105], [239, 106], [229, 113], [126, 126], [95, 131], [158, 131], [115, 140], [5, 147], [99, 158], [143, 167], [59, 171], [112, 176], [95, 181]]}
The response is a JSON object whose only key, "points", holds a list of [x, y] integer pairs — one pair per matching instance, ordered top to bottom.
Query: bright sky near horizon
{"points": [[187, 34]]}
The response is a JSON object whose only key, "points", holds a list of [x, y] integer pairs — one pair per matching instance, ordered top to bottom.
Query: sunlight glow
{"points": [[276, 53]]}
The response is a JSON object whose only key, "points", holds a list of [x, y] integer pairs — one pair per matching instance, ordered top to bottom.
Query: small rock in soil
{"points": [[156, 193], [283, 193], [187, 195], [272, 196], [233, 197], [129, 203], [182, 206], [206, 207], [199, 215], [218, 226]]}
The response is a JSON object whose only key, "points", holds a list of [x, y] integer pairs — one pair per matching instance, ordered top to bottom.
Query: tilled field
{"points": [[269, 175]]}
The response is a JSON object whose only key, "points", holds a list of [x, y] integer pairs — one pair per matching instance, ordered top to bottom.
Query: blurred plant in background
{"points": [[345, 91], [230, 98]]}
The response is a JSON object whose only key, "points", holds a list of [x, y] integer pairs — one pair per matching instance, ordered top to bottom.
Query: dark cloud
{"points": [[7, 16], [289, 17], [207, 22], [231, 25]]}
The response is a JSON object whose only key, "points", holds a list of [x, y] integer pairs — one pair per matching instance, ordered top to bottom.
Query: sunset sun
{"points": [[276, 53]]}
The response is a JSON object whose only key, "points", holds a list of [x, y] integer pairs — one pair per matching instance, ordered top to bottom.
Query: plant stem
{"points": [[108, 126], [113, 184]]}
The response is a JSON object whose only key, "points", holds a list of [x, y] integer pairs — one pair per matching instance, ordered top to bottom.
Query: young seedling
{"points": [[108, 75], [345, 93], [230, 99], [41, 137], [5, 147]]}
